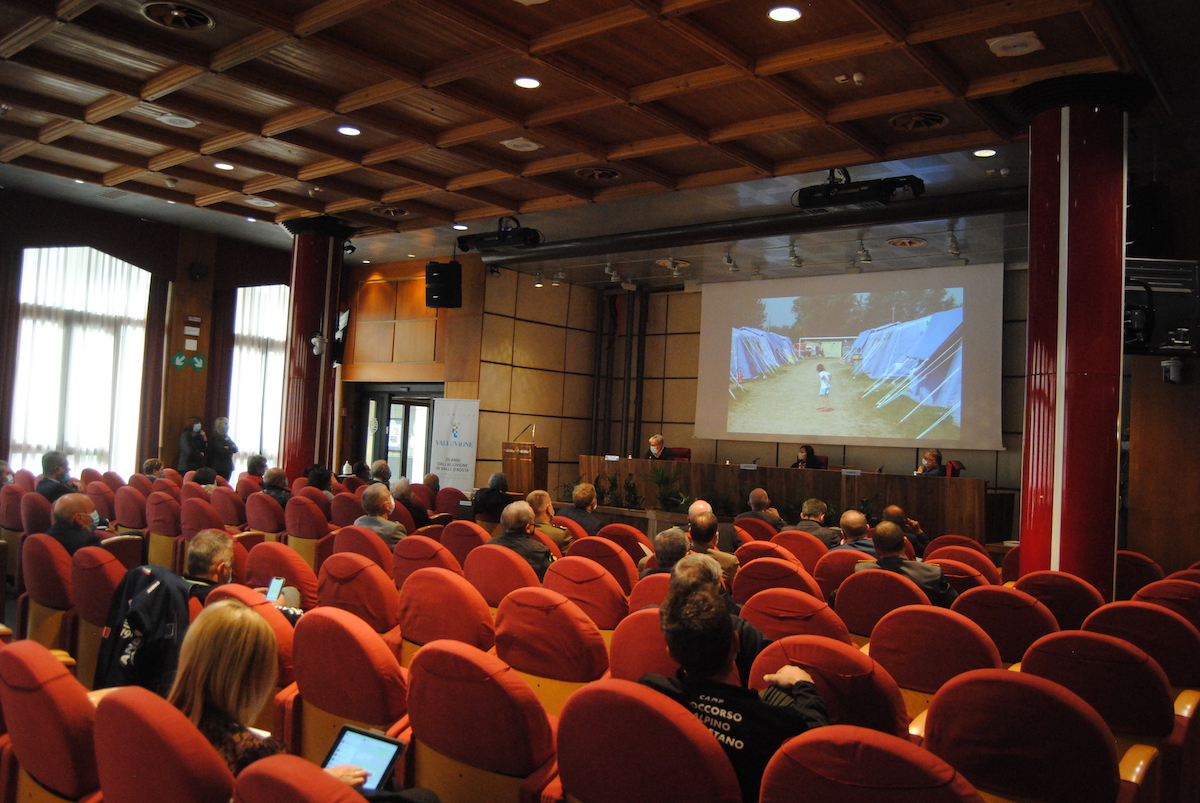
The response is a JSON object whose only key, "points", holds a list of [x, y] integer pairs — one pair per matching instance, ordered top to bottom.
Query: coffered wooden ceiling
{"points": [[660, 94]]}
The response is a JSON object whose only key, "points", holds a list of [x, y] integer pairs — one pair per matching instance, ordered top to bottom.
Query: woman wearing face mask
{"points": [[193, 446], [221, 449], [932, 466]]}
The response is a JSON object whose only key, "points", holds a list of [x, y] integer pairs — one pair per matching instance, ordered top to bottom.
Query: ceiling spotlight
{"points": [[784, 14], [527, 83], [348, 131], [984, 153], [223, 166], [79, 181], [172, 183], [252, 219], [460, 227], [952, 246], [412, 256], [864, 256], [366, 262], [797, 262], [733, 266], [853, 268], [609, 269], [494, 272], [758, 274], [614, 277], [558, 278], [537, 282]]}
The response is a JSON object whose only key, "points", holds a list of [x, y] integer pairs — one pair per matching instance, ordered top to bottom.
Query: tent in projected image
{"points": [[754, 352], [920, 359]]}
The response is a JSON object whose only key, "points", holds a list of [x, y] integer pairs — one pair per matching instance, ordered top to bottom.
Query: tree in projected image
{"points": [[847, 315]]}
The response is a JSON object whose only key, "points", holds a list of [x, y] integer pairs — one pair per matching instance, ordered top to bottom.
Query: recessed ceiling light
{"points": [[784, 14], [528, 83], [176, 120], [348, 130], [520, 144], [984, 153], [223, 166], [79, 181], [170, 202], [262, 203], [252, 219], [460, 226], [412, 256], [366, 262]]}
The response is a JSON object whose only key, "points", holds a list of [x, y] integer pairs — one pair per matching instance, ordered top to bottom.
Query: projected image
{"points": [[870, 365]]}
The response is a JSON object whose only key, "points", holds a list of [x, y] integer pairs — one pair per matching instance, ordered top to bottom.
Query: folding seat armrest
{"points": [[6, 634], [64, 657], [96, 695], [1185, 703], [916, 728], [1138, 761], [539, 780]]}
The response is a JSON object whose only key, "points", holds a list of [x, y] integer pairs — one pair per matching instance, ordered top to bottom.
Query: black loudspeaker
{"points": [[443, 284]]}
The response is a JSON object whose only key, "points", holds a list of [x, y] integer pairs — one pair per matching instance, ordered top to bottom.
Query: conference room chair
{"points": [[954, 468], [90, 475], [173, 475], [189, 476], [25, 478], [113, 480], [143, 483], [297, 484], [352, 484], [247, 485], [168, 486], [335, 487], [193, 490], [423, 495], [318, 498], [102, 499], [449, 501], [130, 506], [230, 507], [345, 508], [198, 514], [400, 514], [265, 515], [35, 518], [10, 524], [164, 526], [571, 526], [757, 529], [308, 531], [433, 531], [460, 537], [743, 537], [631, 539], [955, 540], [361, 541], [547, 542], [806, 547], [763, 549], [416, 552], [611, 556], [971, 557], [273, 559], [834, 567], [1010, 568], [497, 570], [1134, 571], [772, 573], [95, 575], [1191, 575], [960, 576], [355, 583], [590, 586], [651, 590], [1180, 596], [866, 597], [1068, 597], [436, 603], [45, 612], [780, 612], [1012, 619], [1161, 633], [551, 644], [923, 646], [638, 648], [345, 674], [857, 690], [1132, 694], [49, 719], [478, 730], [662, 750], [1057, 750], [147, 751], [812, 768], [290, 779]]}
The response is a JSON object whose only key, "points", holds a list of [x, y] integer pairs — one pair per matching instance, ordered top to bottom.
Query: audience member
{"points": [[193, 446], [221, 448], [657, 451], [805, 458], [256, 465], [932, 466], [153, 468], [361, 470], [381, 472], [6, 473], [206, 476], [321, 478], [56, 480], [433, 483], [275, 485], [402, 493], [491, 501], [583, 502], [377, 505], [760, 508], [543, 511], [812, 520], [517, 521], [75, 522], [910, 527], [703, 529], [854, 533], [727, 537], [670, 546], [889, 546], [209, 563], [695, 571], [750, 726]]}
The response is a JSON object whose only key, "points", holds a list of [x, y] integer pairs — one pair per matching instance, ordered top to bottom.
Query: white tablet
{"points": [[371, 750]]}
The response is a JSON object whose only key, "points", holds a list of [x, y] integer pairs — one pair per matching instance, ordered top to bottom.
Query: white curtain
{"points": [[79, 360], [256, 386]]}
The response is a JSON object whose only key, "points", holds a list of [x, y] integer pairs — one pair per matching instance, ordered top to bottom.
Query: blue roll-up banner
{"points": [[455, 435]]}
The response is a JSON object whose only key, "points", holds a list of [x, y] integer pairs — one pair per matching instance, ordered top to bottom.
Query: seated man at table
{"points": [[657, 451], [932, 466], [583, 502], [760, 508], [812, 520], [517, 521], [854, 533], [889, 546]]}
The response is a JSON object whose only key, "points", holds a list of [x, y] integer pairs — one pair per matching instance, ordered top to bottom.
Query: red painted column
{"points": [[1076, 307], [308, 413]]}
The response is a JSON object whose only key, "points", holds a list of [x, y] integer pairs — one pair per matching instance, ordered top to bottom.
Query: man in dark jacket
{"points": [[812, 520], [517, 521], [74, 523], [889, 546]]}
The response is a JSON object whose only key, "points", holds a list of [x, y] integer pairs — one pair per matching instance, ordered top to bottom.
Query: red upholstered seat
{"points": [[90, 475], [173, 475], [25, 478], [142, 483], [297, 484], [352, 484], [247, 485], [168, 486], [193, 490], [423, 495], [103, 499], [319, 499], [448, 501], [229, 506], [130, 507], [345, 508], [35, 513], [399, 513], [198, 514], [264, 514], [163, 521], [10, 523], [571, 526], [758, 529], [309, 531], [433, 531], [460, 537], [743, 537], [632, 540], [954, 540], [364, 542], [548, 542], [806, 547], [763, 549], [415, 552], [963, 554], [611, 556], [271, 559], [834, 567], [1010, 569], [496, 570], [1134, 570], [772, 573], [95, 575], [1191, 575], [960, 576], [356, 584], [591, 587], [650, 590], [1180, 596], [865, 597], [1068, 597], [439, 604], [42, 609], [780, 612], [1011, 618], [284, 632], [543, 633], [1163, 634], [638, 647], [344, 673], [856, 689], [49, 719], [476, 727], [1011, 733], [596, 735], [148, 752], [813, 768], [290, 778]]}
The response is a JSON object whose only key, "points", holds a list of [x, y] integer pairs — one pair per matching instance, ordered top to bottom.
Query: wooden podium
{"points": [[525, 465]]}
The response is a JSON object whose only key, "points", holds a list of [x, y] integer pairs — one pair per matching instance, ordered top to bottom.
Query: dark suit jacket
{"points": [[666, 454], [937, 471], [774, 521], [831, 537], [927, 576]]}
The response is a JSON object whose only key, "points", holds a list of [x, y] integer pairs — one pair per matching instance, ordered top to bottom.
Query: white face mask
{"points": [[196, 427], [928, 464], [95, 519]]}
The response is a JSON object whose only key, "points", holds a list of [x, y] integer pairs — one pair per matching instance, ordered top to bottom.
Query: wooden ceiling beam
{"points": [[675, 8], [67, 10], [254, 11], [332, 12], [880, 14], [982, 18], [470, 21], [606, 22], [109, 25], [1106, 29], [27, 33], [251, 47], [335, 47], [846, 47], [465, 66], [81, 72], [709, 78], [170, 81], [1003, 84], [41, 103], [888, 104], [575, 108], [987, 114], [296, 117], [790, 121], [57, 129], [19, 130], [849, 132], [469, 133], [18, 149], [105, 153], [161, 161], [120, 175], [200, 177], [291, 199]]}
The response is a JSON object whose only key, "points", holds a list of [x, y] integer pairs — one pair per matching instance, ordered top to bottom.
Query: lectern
{"points": [[525, 465]]}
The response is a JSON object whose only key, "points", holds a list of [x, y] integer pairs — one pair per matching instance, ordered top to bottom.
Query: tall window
{"points": [[79, 359], [256, 387]]}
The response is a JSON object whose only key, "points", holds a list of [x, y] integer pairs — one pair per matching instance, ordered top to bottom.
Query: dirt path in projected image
{"points": [[785, 403]]}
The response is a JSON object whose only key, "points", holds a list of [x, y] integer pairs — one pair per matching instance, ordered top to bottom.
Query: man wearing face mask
{"points": [[193, 446], [221, 449], [657, 450], [932, 466], [6, 474], [56, 480], [75, 523], [209, 563]]}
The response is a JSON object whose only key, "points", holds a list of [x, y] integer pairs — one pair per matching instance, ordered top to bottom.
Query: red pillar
{"points": [[1077, 181], [308, 392]]}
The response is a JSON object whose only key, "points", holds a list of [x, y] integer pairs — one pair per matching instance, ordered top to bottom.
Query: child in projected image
{"points": [[823, 394]]}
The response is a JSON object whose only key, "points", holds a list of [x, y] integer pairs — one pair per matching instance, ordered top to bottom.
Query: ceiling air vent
{"points": [[177, 17], [918, 121], [598, 173], [389, 211], [907, 242]]}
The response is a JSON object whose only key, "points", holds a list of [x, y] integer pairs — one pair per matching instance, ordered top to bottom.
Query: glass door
{"points": [[396, 428]]}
